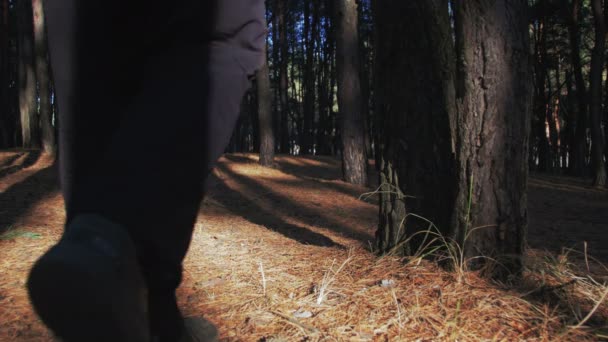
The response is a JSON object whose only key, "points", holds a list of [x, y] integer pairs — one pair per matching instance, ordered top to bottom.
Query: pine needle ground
{"points": [[283, 255]]}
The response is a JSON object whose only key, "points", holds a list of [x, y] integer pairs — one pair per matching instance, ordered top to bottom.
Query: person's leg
{"points": [[186, 111], [169, 121], [89, 286]]}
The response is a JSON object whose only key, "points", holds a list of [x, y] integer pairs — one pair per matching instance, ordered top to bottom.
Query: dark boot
{"points": [[89, 286]]}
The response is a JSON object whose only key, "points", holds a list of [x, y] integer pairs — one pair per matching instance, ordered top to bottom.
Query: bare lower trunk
{"points": [[311, 31], [43, 76], [27, 78], [283, 82], [595, 96], [416, 98], [541, 99], [265, 116], [6, 119], [493, 123], [352, 127], [579, 147]]}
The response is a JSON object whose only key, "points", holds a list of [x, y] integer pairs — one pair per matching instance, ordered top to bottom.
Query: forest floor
{"points": [[283, 255]]}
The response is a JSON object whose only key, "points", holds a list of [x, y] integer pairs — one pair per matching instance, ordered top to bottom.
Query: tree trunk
{"points": [[310, 34], [325, 57], [275, 71], [364, 74], [43, 76], [27, 77], [283, 82], [377, 85], [595, 95], [295, 99], [417, 99], [541, 99], [552, 108], [606, 113], [265, 116], [6, 121], [570, 121], [493, 125], [352, 128], [325, 131], [336, 145], [579, 148]]}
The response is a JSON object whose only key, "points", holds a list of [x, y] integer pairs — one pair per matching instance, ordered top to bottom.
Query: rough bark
{"points": [[27, 77], [43, 77], [595, 95], [416, 100], [265, 116], [493, 126], [354, 156]]}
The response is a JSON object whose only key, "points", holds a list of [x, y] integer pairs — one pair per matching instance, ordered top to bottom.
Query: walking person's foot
{"points": [[89, 286]]}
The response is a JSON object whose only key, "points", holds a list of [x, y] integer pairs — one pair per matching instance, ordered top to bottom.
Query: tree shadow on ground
{"points": [[29, 158], [320, 167], [324, 171], [20, 197], [238, 204], [313, 217]]}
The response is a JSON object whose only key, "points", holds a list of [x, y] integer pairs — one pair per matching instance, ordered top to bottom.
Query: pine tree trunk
{"points": [[311, 31], [364, 72], [275, 76], [27, 77], [43, 77], [283, 82], [595, 95], [326, 96], [378, 99], [541, 99], [416, 100], [606, 114], [265, 116], [6, 121], [570, 121], [493, 125], [323, 128], [352, 128], [553, 138], [579, 148]]}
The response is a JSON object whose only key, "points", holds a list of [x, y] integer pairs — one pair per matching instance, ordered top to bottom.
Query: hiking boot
{"points": [[89, 287]]}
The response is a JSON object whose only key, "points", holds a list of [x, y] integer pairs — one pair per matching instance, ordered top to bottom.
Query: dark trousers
{"points": [[148, 93]]}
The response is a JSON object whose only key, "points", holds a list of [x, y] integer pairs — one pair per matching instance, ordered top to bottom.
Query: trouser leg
{"points": [[142, 123]]}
